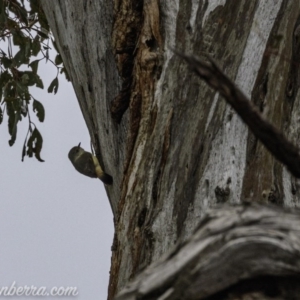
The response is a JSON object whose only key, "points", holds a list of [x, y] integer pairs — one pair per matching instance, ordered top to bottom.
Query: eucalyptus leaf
{"points": [[26, 29], [42, 34], [18, 37], [36, 46], [20, 58], [58, 59], [6, 62], [34, 65], [64, 70], [39, 82], [53, 87], [38, 108], [1, 115], [14, 115], [35, 144], [38, 146], [24, 150]]}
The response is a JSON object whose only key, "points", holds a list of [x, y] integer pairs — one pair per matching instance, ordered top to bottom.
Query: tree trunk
{"points": [[173, 147], [246, 252]]}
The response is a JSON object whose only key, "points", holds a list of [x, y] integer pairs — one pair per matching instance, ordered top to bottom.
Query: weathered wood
{"points": [[82, 31], [279, 146], [172, 147], [231, 244]]}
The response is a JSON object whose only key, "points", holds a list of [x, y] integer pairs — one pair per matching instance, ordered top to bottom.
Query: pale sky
{"points": [[56, 224]]}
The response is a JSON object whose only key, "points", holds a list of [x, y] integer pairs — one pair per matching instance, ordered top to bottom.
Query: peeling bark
{"points": [[82, 30], [173, 147], [281, 148], [254, 245]]}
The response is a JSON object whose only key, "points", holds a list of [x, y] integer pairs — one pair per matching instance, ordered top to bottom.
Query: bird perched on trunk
{"points": [[87, 164]]}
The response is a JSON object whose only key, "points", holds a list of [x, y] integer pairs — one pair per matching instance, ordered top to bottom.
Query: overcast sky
{"points": [[56, 224]]}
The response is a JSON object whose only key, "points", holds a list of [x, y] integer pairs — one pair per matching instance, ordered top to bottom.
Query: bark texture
{"points": [[82, 31], [173, 148], [253, 244]]}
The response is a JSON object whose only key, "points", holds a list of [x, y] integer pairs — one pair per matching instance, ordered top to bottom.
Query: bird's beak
{"points": [[79, 145]]}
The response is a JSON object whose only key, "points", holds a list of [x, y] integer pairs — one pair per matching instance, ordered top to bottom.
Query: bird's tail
{"points": [[106, 178]]}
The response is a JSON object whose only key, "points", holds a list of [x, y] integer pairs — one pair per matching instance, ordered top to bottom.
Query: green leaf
{"points": [[34, 4], [19, 11], [3, 15], [23, 15], [42, 19], [19, 23], [11, 24], [42, 34], [18, 37], [36, 46], [27, 48], [20, 58], [58, 59], [6, 62], [34, 65], [64, 70], [4, 78], [30, 78], [25, 79], [33, 79], [39, 82], [53, 87], [21, 88], [9, 89], [27, 96], [39, 109], [24, 110], [11, 114], [1, 115], [14, 115], [14, 129], [35, 144], [30, 145], [38, 146], [24, 150]]}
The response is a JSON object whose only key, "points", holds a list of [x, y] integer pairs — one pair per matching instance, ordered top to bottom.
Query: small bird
{"points": [[87, 164]]}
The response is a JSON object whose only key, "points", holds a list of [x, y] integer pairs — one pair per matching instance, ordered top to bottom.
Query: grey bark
{"points": [[82, 31], [173, 148], [230, 245]]}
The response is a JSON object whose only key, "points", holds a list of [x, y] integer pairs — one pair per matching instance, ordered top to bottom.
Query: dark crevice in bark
{"points": [[128, 19], [219, 26], [137, 46], [293, 80], [273, 139], [267, 188], [235, 252], [263, 287]]}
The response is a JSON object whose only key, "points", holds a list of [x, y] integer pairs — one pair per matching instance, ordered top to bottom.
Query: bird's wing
{"points": [[89, 167]]}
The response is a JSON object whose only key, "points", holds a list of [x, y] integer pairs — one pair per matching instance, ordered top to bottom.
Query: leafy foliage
{"points": [[24, 31]]}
